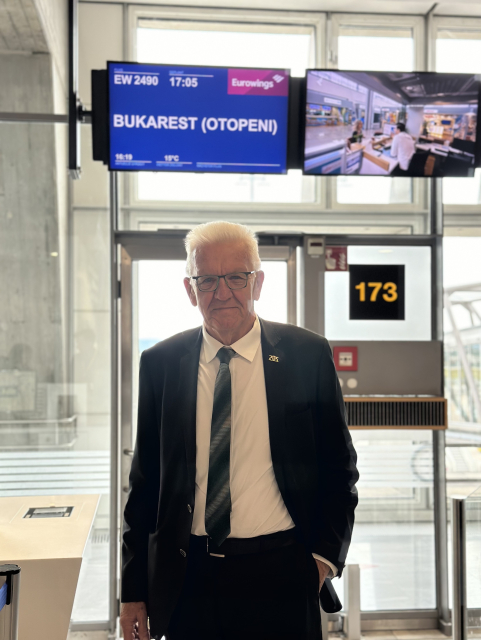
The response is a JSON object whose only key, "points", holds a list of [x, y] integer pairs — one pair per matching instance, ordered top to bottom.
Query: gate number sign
{"points": [[376, 292]]}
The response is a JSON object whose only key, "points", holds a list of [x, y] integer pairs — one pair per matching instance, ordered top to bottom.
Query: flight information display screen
{"points": [[204, 119]]}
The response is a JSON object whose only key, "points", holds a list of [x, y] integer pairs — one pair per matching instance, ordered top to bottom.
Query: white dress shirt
{"points": [[403, 148], [257, 504]]}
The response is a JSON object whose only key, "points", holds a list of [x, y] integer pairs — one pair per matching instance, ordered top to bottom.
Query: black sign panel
{"points": [[376, 292]]}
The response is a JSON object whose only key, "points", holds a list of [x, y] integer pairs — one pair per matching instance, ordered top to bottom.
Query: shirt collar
{"points": [[246, 347]]}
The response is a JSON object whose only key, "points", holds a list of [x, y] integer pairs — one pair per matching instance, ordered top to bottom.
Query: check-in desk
{"points": [[379, 155], [337, 157], [46, 536]]}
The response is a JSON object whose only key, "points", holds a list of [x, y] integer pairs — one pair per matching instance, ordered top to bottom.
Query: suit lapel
{"points": [[275, 375], [187, 397]]}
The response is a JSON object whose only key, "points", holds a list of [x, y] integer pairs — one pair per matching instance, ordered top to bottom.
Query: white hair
{"points": [[220, 231]]}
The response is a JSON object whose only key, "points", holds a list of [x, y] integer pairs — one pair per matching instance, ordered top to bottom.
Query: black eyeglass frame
{"points": [[246, 273]]}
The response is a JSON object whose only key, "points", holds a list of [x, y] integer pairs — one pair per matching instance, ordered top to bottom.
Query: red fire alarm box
{"points": [[345, 358]]}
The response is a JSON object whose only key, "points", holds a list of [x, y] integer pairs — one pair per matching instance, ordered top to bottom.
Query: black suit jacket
{"points": [[312, 453]]}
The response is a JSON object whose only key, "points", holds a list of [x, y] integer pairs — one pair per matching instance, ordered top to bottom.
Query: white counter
{"points": [[49, 552]]}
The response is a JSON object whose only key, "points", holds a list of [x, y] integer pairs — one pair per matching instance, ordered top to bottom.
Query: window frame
{"points": [[316, 21], [377, 21], [324, 211], [320, 221]]}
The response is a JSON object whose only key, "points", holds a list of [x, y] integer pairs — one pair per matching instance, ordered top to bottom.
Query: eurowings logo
{"points": [[257, 82], [252, 83]]}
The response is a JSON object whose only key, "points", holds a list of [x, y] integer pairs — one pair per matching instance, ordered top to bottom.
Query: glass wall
{"points": [[462, 326], [462, 363], [91, 373], [35, 402], [52, 442], [393, 540]]}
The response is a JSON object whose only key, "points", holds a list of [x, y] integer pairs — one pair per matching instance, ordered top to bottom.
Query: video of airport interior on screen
{"points": [[393, 124]]}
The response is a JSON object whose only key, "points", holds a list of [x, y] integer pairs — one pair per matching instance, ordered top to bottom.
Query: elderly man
{"points": [[242, 495]]}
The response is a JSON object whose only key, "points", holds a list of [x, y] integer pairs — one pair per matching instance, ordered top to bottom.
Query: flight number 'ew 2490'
{"points": [[127, 78]]}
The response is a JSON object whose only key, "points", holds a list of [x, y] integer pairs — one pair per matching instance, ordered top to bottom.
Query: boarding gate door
{"points": [[154, 306]]}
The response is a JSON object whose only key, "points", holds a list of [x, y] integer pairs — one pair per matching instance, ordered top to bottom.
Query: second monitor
{"points": [[393, 124]]}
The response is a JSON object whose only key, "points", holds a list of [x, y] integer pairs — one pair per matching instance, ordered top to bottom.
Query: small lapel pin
{"points": [[274, 358]]}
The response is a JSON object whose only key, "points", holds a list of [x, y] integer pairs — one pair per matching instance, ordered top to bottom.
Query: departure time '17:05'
{"points": [[179, 81]]}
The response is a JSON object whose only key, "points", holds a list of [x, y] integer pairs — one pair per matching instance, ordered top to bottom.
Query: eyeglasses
{"points": [[236, 280]]}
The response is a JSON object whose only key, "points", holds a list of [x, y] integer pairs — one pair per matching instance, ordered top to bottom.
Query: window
{"points": [[376, 43], [246, 45], [365, 48], [361, 51], [460, 51], [462, 331], [394, 531]]}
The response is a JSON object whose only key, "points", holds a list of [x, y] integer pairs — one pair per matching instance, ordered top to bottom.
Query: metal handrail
{"points": [[50, 421], [59, 427], [37, 447]]}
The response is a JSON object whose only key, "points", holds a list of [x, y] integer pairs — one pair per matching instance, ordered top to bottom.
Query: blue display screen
{"points": [[205, 119]]}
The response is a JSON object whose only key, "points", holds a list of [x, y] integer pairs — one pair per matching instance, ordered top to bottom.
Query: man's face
{"points": [[396, 131], [225, 311]]}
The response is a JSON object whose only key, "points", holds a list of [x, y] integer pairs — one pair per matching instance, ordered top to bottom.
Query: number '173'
{"points": [[390, 289]]}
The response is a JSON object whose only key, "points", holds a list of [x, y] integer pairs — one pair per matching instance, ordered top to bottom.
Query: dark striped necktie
{"points": [[218, 503]]}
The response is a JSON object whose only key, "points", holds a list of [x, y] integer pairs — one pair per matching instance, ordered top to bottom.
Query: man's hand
{"points": [[323, 569], [133, 620]]}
